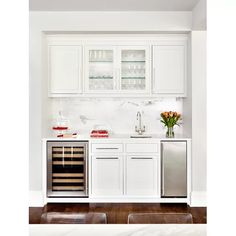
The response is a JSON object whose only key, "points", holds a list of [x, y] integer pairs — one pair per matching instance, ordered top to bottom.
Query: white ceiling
{"points": [[112, 5]]}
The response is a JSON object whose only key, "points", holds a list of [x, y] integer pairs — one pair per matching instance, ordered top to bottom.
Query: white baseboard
{"points": [[36, 199], [198, 199]]}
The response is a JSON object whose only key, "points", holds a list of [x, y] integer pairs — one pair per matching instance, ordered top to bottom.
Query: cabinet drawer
{"points": [[107, 147], [142, 147]]}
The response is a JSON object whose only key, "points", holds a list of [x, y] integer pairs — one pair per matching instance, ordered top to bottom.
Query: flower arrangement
{"points": [[170, 119]]}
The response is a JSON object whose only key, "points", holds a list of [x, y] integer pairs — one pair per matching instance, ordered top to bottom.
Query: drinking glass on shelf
{"points": [[90, 55], [94, 55], [99, 55], [108, 55], [125, 57], [128, 69], [131, 70], [135, 71], [138, 71]]}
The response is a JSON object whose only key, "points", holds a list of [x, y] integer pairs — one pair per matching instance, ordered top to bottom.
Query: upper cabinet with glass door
{"points": [[85, 67], [99, 69], [119, 69], [134, 76]]}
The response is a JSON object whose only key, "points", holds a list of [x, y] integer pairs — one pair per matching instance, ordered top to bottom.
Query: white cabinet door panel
{"points": [[64, 69], [117, 69], [169, 69], [134, 72], [100, 75], [106, 147], [142, 147], [107, 175], [142, 175]]}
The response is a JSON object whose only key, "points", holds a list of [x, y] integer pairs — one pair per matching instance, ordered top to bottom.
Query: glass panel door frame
{"points": [[139, 67], [87, 71]]}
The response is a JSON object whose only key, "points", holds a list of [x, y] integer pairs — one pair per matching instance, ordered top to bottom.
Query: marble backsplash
{"points": [[118, 115]]}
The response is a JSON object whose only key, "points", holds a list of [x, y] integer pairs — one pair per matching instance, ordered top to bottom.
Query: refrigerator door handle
{"points": [[162, 171]]}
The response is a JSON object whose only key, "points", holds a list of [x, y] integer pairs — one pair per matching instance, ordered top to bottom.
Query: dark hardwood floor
{"points": [[117, 213]]}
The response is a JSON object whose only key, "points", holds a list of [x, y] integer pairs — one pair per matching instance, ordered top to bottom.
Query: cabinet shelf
{"points": [[68, 163], [67, 188]]}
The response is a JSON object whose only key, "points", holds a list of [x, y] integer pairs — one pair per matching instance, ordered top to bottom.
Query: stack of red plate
{"points": [[59, 128], [99, 134], [70, 135]]}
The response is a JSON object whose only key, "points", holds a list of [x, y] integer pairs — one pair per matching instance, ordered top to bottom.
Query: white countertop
{"points": [[125, 137], [119, 230]]}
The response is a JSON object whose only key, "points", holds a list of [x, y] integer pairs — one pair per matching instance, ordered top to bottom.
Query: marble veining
{"points": [[118, 115]]}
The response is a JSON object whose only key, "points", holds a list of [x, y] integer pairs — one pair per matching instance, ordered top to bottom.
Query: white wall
{"points": [[199, 16], [111, 21], [41, 22], [187, 103], [199, 158]]}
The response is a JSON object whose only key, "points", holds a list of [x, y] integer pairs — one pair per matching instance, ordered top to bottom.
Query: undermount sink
{"points": [[140, 136]]}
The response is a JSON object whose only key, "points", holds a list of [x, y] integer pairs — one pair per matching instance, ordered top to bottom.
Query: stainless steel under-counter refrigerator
{"points": [[173, 169]]}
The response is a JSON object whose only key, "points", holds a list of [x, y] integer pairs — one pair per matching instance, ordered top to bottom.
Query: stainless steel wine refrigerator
{"points": [[67, 169]]}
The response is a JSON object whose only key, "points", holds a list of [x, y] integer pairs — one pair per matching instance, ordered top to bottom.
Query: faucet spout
{"points": [[140, 129]]}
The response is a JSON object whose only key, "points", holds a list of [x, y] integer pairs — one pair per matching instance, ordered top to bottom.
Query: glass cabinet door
{"points": [[100, 69], [133, 70]]}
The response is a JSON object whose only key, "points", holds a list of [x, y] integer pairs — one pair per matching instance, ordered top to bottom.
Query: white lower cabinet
{"points": [[126, 171], [107, 175], [142, 175]]}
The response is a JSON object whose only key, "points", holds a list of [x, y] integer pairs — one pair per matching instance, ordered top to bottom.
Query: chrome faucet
{"points": [[141, 128]]}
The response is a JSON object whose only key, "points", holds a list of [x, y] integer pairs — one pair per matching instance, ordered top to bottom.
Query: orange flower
{"points": [[170, 114]]}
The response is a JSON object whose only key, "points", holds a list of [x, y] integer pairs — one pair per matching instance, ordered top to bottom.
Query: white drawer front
{"points": [[107, 147], [142, 147]]}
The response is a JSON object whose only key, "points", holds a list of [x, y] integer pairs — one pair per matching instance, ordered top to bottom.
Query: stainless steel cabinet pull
{"points": [[106, 148], [107, 158], [141, 158]]}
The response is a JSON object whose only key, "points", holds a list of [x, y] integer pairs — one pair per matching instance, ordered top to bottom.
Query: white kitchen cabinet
{"points": [[127, 66], [64, 68], [117, 69], [170, 69], [100, 74], [134, 76], [106, 147], [142, 147], [116, 173], [107, 175], [142, 175]]}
